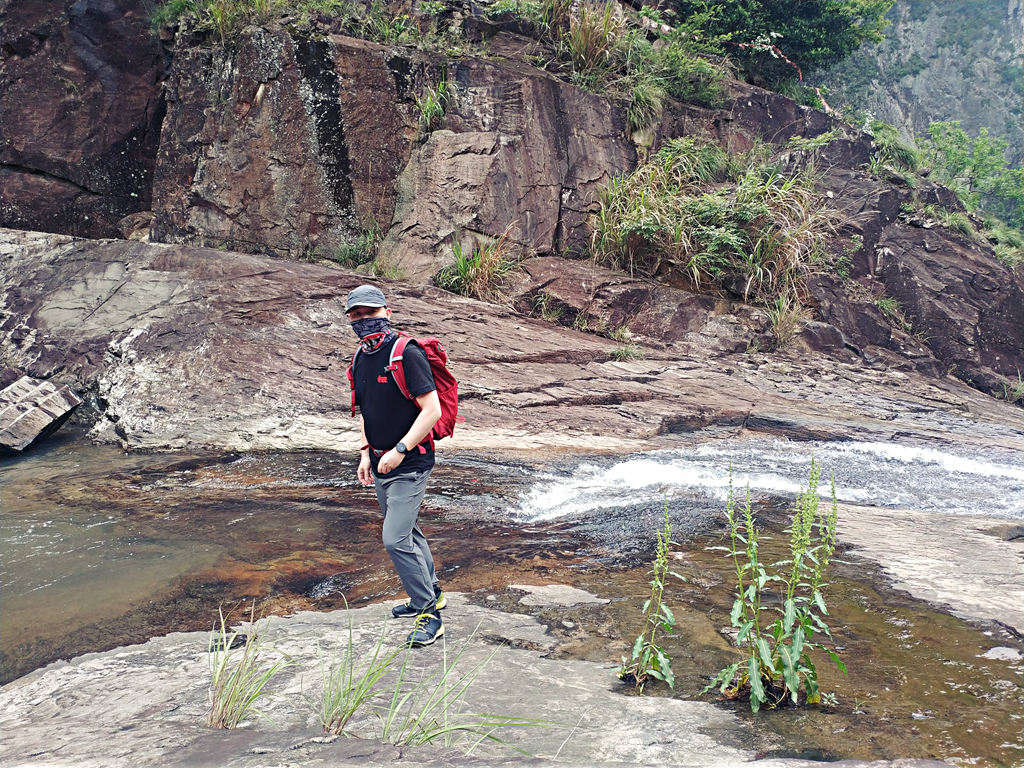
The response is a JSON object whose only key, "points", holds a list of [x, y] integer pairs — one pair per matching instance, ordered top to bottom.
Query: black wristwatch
{"points": [[401, 448]]}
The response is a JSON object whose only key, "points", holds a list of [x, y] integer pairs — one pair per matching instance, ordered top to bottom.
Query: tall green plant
{"points": [[778, 635], [647, 658]]}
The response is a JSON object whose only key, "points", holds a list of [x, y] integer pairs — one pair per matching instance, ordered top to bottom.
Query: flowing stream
{"points": [[880, 474], [102, 548]]}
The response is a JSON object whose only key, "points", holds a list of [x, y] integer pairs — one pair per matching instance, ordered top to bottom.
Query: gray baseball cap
{"points": [[365, 296]]}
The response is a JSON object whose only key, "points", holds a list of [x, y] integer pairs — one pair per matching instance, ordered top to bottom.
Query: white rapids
{"points": [[875, 473]]}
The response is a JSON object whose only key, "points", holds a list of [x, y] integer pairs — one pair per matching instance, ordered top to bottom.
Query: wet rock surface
{"points": [[176, 346], [146, 704]]}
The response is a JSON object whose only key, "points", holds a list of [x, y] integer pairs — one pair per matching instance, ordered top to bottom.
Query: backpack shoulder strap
{"points": [[395, 364], [352, 378]]}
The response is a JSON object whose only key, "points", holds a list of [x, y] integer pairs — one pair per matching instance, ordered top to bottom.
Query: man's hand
{"points": [[389, 461], [363, 473]]}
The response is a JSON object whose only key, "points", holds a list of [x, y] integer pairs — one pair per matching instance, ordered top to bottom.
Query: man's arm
{"points": [[430, 412], [364, 474]]}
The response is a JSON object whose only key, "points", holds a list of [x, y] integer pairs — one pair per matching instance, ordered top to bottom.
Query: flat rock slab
{"points": [[189, 347], [32, 408], [928, 555], [556, 594], [146, 704]]}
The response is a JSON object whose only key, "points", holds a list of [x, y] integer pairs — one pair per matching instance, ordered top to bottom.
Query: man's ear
{"points": [[387, 311]]}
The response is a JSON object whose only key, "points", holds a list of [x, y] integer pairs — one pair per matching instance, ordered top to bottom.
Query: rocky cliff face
{"points": [[942, 61], [80, 116], [290, 143]]}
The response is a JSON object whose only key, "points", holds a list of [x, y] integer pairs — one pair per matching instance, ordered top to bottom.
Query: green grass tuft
{"points": [[433, 103], [694, 211], [481, 273], [238, 676]]}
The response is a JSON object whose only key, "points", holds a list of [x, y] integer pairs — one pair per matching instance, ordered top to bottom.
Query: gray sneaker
{"points": [[406, 611], [426, 630]]}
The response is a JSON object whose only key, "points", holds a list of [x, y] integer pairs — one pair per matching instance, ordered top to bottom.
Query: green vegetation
{"points": [[226, 18], [761, 35], [604, 48], [433, 103], [814, 142], [895, 158], [977, 169], [697, 212], [955, 220], [1007, 241], [362, 249], [381, 267], [480, 273], [890, 307], [545, 308], [787, 316], [626, 352], [1013, 392], [780, 613], [647, 658], [238, 675], [349, 685], [431, 710], [427, 711]]}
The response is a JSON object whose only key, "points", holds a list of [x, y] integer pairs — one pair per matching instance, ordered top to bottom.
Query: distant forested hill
{"points": [[942, 60]]}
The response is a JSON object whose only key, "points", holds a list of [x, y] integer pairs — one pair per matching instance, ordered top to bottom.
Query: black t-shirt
{"points": [[387, 413]]}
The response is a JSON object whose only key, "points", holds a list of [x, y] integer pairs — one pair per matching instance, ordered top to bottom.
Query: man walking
{"points": [[395, 458]]}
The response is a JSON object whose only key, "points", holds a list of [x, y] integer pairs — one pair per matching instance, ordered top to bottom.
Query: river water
{"points": [[102, 548]]}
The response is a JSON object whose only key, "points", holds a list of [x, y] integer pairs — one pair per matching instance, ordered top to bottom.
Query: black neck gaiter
{"points": [[373, 332]]}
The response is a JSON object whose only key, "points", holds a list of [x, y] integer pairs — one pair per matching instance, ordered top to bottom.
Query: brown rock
{"points": [[80, 88], [282, 146], [519, 148], [585, 296], [182, 346]]}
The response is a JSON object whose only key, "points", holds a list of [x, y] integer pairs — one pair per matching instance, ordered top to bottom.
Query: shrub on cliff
{"points": [[812, 33], [607, 48], [977, 169], [695, 212], [481, 272]]}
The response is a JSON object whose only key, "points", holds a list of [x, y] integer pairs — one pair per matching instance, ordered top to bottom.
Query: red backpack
{"points": [[447, 386]]}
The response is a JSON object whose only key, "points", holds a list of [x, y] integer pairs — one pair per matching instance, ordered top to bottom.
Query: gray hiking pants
{"points": [[400, 497]]}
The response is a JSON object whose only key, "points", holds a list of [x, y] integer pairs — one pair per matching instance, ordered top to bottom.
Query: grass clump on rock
{"points": [[226, 18], [608, 48], [433, 103], [697, 213], [480, 272], [779, 611], [239, 673]]}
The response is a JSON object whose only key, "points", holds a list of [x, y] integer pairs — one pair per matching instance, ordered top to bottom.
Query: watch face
{"points": [[401, 448]]}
